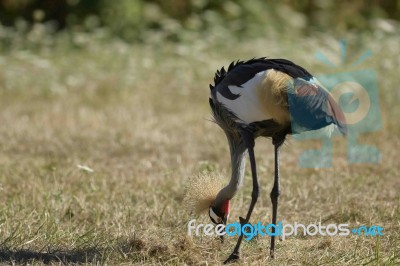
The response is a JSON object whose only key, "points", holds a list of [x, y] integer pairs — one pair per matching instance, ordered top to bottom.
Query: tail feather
{"points": [[312, 107], [337, 114]]}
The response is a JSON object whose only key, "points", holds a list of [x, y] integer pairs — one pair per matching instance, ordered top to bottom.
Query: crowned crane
{"points": [[265, 98]]}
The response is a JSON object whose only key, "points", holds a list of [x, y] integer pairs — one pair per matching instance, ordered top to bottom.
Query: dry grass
{"points": [[138, 116]]}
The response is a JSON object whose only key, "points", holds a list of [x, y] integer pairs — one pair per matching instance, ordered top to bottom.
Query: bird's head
{"points": [[219, 214]]}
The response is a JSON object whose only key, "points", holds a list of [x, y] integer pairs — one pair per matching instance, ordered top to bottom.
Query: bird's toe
{"points": [[271, 254], [232, 258]]}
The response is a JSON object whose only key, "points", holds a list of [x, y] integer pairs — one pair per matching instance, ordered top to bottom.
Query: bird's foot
{"points": [[242, 220], [222, 238], [271, 254], [232, 258]]}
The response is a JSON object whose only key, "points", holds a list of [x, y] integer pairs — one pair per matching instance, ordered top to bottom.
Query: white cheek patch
{"points": [[214, 216]]}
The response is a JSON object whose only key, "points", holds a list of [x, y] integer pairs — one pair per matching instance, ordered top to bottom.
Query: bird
{"points": [[270, 98]]}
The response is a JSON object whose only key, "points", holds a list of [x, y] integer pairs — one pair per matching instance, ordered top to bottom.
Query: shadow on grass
{"points": [[25, 256]]}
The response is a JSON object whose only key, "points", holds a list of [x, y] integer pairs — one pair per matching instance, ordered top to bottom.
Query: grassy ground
{"points": [[139, 117]]}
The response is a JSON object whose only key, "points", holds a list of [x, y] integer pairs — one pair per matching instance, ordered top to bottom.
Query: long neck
{"points": [[238, 156]]}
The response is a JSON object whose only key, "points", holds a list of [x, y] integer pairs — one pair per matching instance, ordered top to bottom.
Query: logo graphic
{"points": [[356, 92], [249, 231]]}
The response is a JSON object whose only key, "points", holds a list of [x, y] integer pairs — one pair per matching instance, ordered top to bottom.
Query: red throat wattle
{"points": [[226, 207]]}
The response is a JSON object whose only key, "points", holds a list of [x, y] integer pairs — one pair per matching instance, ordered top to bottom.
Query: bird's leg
{"points": [[248, 139], [277, 141]]}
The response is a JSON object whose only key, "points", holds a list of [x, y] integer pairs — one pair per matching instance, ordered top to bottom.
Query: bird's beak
{"points": [[223, 221]]}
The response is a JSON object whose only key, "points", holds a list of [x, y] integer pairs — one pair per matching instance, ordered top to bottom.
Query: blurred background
{"points": [[185, 20], [104, 115]]}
